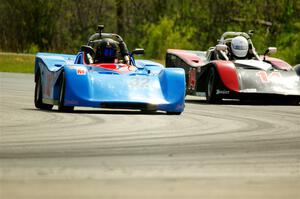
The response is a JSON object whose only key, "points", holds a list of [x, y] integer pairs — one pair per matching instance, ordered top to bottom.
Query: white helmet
{"points": [[239, 46]]}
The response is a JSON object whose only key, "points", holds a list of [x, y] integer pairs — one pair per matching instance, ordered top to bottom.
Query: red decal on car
{"points": [[81, 71], [266, 78], [192, 79]]}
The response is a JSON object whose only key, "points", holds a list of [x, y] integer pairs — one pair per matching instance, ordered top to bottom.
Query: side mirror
{"points": [[250, 33], [221, 47], [270, 50], [138, 51]]}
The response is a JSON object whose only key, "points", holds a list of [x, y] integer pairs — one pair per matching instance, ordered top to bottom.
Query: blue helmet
{"points": [[106, 51]]}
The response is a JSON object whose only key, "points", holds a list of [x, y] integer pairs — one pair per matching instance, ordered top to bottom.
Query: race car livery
{"points": [[104, 74], [217, 74]]}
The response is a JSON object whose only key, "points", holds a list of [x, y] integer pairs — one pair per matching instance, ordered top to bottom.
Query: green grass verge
{"points": [[16, 63], [24, 63]]}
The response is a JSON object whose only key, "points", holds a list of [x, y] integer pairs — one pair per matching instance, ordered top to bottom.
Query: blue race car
{"points": [[104, 74]]}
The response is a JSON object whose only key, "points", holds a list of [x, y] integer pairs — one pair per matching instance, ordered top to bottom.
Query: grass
{"points": [[16, 63], [24, 63]]}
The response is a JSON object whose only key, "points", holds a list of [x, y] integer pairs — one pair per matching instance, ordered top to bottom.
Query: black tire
{"points": [[212, 82], [38, 95], [61, 99], [148, 111], [173, 113]]}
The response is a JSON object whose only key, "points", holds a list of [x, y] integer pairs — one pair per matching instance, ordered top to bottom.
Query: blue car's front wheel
{"points": [[61, 106]]}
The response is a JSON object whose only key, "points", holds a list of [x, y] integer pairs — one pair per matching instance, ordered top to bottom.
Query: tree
{"points": [[64, 25]]}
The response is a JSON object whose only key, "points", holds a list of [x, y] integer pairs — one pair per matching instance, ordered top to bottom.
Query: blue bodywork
{"points": [[149, 86]]}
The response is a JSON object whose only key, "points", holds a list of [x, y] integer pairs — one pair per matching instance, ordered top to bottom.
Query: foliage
{"points": [[64, 25], [159, 37], [289, 45]]}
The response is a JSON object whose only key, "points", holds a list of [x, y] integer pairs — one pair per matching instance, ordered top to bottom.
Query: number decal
{"points": [[81, 71], [266, 78], [192, 79], [139, 82]]}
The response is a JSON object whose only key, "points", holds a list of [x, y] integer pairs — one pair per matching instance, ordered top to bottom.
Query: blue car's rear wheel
{"points": [[38, 95], [61, 106]]}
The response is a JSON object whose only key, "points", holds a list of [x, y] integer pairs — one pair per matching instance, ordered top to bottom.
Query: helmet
{"points": [[239, 46], [106, 51]]}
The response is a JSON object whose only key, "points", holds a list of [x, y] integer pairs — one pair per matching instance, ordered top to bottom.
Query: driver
{"points": [[239, 48], [106, 51]]}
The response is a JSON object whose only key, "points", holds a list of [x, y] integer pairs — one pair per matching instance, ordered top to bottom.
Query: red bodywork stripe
{"points": [[106, 66], [112, 66], [120, 68], [228, 74]]}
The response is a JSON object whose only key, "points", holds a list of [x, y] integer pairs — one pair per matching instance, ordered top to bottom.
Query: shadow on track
{"points": [[245, 102], [97, 111], [117, 112]]}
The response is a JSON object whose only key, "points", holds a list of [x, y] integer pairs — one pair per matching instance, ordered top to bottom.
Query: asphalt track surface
{"points": [[231, 150]]}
